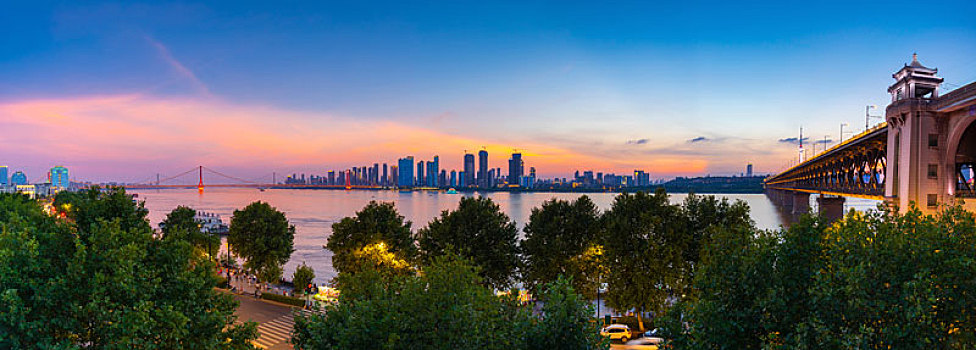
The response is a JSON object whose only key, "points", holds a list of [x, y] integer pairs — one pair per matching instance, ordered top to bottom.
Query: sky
{"points": [[122, 91]]}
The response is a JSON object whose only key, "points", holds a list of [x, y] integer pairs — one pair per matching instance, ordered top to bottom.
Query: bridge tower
{"points": [[916, 140], [200, 186]]}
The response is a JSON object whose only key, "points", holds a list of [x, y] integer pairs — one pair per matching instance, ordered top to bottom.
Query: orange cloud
{"points": [[175, 133]]}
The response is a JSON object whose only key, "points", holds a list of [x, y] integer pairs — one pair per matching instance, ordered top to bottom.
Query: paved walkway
{"points": [[275, 321]]}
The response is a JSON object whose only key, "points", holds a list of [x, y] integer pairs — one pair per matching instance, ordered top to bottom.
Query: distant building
{"points": [[483, 169], [515, 169], [468, 170], [749, 170], [433, 171], [405, 172], [420, 173], [4, 177], [58, 177], [18, 178], [454, 178], [641, 178], [385, 180]]}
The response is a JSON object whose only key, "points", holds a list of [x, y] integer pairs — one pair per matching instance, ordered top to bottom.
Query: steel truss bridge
{"points": [[855, 167]]}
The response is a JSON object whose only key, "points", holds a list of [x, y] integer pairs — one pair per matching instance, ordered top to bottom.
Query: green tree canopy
{"points": [[375, 223], [181, 224], [477, 230], [261, 235], [562, 238], [644, 242], [302, 277], [878, 280], [106, 283], [445, 307]]}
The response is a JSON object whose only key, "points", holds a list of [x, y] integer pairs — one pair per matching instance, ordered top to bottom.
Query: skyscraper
{"points": [[483, 168], [514, 169], [468, 170], [748, 170], [405, 172], [433, 172], [420, 173], [58, 176], [4, 178], [18, 178], [454, 178], [386, 179]]}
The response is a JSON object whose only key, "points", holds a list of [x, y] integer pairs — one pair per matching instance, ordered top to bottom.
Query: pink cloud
{"points": [[137, 135]]}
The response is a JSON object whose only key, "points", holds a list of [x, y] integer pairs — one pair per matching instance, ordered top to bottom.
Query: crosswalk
{"points": [[274, 332]]}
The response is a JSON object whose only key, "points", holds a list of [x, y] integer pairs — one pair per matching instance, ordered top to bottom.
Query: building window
{"points": [[933, 140], [933, 171], [932, 200]]}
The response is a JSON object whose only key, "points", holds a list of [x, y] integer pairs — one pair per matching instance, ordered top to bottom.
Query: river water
{"points": [[313, 211]]}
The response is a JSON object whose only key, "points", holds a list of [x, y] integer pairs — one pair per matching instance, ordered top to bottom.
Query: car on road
{"points": [[616, 332], [643, 344]]}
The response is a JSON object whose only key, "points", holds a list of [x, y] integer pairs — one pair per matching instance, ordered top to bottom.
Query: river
{"points": [[313, 211]]}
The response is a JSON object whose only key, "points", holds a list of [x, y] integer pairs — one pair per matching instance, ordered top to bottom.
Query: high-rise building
{"points": [[483, 169], [515, 169], [468, 170], [749, 170], [405, 172], [433, 172], [420, 173], [393, 175], [492, 175], [58, 177], [4, 178], [18, 178], [375, 178], [454, 178], [641, 178], [385, 180], [442, 180]]}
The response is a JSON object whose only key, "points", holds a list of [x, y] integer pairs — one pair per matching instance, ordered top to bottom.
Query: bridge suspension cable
{"points": [[171, 177], [230, 177]]}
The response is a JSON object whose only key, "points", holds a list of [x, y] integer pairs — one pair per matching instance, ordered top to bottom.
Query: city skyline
{"points": [[118, 92]]}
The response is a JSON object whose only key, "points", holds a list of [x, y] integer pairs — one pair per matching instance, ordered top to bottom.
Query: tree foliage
{"points": [[375, 223], [181, 224], [477, 230], [261, 235], [562, 238], [302, 277], [878, 280], [105, 282], [445, 307]]}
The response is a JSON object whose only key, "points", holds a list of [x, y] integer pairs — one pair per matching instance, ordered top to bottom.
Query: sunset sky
{"points": [[122, 91]]}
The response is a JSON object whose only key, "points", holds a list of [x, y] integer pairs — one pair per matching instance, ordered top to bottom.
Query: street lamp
{"points": [[868, 116], [842, 125]]}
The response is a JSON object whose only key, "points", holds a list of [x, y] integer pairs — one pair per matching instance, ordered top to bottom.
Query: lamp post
{"points": [[867, 115], [842, 125]]}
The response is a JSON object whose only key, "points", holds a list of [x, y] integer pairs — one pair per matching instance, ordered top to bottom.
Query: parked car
{"points": [[616, 332], [654, 334], [643, 344]]}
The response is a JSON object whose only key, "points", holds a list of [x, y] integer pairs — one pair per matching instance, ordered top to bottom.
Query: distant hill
{"points": [[716, 184]]}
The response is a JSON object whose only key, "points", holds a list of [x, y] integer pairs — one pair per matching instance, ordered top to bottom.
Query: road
{"points": [[275, 321]]}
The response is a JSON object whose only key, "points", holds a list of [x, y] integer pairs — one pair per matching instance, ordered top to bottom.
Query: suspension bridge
{"points": [[194, 178]]}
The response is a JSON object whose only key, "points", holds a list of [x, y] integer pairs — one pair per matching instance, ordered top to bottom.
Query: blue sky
{"points": [[570, 83]]}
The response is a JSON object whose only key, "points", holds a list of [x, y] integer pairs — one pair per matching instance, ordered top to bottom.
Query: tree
{"points": [[181, 223], [375, 223], [477, 230], [261, 235], [562, 238], [643, 247], [302, 277], [875, 280], [106, 283], [445, 307], [567, 320]]}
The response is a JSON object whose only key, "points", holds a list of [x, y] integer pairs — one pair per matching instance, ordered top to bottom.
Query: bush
{"points": [[284, 299]]}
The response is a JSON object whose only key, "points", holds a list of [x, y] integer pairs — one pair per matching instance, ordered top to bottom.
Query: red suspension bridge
{"points": [[194, 178]]}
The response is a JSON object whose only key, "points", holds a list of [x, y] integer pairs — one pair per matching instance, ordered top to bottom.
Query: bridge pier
{"points": [[800, 202], [831, 208]]}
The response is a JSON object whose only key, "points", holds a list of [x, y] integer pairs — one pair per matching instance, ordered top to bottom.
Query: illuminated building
{"points": [[405, 172], [58, 177]]}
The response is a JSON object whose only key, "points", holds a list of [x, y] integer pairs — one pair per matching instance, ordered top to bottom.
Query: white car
{"points": [[616, 332], [643, 344]]}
